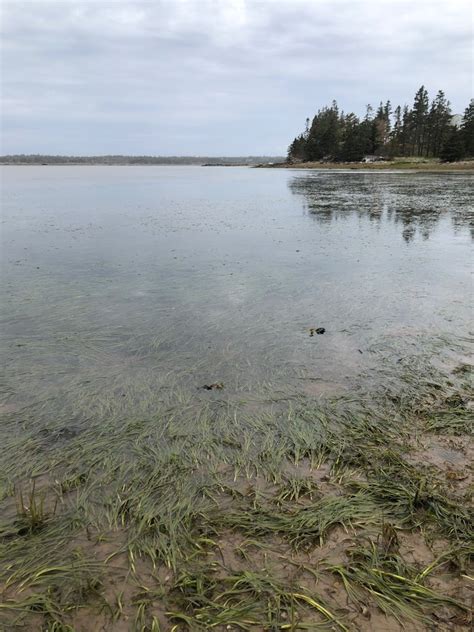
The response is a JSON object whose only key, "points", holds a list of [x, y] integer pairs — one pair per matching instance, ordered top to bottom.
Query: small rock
{"points": [[213, 387], [453, 475]]}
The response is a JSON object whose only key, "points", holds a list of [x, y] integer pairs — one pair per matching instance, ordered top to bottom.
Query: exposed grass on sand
{"points": [[203, 516], [376, 574]]}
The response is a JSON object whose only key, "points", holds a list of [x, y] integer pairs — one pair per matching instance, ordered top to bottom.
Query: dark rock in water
{"points": [[316, 330], [320, 330], [461, 369], [213, 387], [455, 401], [59, 434]]}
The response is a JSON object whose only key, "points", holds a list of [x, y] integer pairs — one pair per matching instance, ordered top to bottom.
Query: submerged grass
{"points": [[205, 514]]}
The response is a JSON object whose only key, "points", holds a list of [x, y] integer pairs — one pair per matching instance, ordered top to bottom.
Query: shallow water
{"points": [[121, 283]]}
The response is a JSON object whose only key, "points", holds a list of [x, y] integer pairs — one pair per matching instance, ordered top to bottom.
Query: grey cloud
{"points": [[215, 77]]}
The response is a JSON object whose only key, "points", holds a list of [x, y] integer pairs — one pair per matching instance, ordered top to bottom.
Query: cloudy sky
{"points": [[215, 77]]}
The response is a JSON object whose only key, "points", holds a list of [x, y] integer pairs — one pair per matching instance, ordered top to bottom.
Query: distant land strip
{"points": [[41, 159]]}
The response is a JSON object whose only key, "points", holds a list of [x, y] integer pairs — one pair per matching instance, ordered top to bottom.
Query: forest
{"points": [[427, 130]]}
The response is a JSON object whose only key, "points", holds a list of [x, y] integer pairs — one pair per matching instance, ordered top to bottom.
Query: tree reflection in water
{"points": [[417, 202]]}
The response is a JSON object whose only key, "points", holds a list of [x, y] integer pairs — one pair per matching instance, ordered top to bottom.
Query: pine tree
{"points": [[387, 111], [419, 117], [438, 125], [380, 129], [467, 129], [424, 130], [405, 132], [396, 133], [323, 135], [355, 140], [453, 148], [298, 149]]}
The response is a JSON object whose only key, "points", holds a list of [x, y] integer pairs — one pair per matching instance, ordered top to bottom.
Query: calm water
{"points": [[122, 283]]}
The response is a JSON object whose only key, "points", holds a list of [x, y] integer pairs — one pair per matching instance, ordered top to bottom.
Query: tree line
{"points": [[425, 130]]}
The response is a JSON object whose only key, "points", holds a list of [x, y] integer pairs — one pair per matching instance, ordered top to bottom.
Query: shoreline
{"points": [[422, 167], [426, 167]]}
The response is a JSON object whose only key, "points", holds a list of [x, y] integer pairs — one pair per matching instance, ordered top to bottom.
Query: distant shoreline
{"points": [[125, 160], [125, 164], [382, 165], [399, 165]]}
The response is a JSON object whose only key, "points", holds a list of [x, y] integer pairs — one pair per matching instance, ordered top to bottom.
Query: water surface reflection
{"points": [[416, 201], [121, 285]]}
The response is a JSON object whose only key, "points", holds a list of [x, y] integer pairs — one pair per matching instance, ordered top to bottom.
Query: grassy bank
{"points": [[398, 164], [344, 514]]}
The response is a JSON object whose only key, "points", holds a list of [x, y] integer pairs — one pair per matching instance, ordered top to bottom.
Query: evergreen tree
{"points": [[387, 111], [418, 120], [438, 125], [381, 128], [467, 129], [424, 130], [405, 132], [396, 133], [323, 135], [355, 141], [453, 148], [298, 149]]}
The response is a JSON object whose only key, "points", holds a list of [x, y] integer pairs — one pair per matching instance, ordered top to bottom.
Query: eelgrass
{"points": [[453, 422], [160, 493], [414, 499], [304, 526], [397, 589], [247, 600]]}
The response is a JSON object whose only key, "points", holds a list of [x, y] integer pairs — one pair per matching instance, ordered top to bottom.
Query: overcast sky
{"points": [[224, 77]]}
